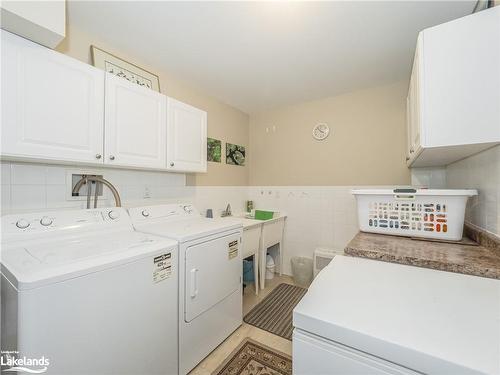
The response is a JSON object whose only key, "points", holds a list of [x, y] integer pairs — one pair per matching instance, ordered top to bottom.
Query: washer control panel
{"points": [[66, 220]]}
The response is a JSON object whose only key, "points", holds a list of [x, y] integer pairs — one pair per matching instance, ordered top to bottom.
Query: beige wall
{"points": [[224, 122], [367, 146]]}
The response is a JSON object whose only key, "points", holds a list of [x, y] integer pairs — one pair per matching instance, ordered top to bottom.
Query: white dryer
{"points": [[210, 269], [88, 293]]}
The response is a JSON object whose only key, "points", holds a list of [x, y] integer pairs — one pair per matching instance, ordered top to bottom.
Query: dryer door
{"points": [[212, 272]]}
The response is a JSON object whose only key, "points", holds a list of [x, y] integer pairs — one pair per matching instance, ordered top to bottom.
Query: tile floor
{"points": [[214, 359]]}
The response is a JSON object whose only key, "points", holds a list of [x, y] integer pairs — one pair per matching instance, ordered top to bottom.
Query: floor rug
{"points": [[274, 313], [254, 358]]}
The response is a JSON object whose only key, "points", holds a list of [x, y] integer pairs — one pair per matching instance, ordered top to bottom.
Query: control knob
{"points": [[145, 213], [113, 215], [46, 221], [22, 224]]}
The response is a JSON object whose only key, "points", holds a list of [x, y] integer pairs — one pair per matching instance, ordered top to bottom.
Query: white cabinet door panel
{"points": [[462, 80], [454, 95], [52, 105], [135, 125], [186, 137]]}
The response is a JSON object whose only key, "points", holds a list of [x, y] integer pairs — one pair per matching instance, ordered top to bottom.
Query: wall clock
{"points": [[321, 131]]}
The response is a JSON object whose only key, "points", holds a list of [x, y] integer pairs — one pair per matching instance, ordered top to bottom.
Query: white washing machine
{"points": [[210, 269], [89, 294]]}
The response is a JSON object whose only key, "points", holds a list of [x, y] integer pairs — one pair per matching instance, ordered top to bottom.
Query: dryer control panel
{"points": [[173, 212]]}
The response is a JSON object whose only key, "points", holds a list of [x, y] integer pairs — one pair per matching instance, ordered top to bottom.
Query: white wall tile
{"points": [[481, 172], [5, 173], [28, 174], [55, 175], [433, 178], [26, 197], [5, 200]]}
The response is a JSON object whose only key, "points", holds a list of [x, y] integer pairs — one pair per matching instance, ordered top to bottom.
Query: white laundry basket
{"points": [[429, 213]]}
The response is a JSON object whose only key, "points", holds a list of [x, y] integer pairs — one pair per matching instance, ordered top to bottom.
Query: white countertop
{"points": [[431, 321]]}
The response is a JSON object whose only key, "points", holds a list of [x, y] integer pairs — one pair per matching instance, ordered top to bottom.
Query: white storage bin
{"points": [[429, 213]]}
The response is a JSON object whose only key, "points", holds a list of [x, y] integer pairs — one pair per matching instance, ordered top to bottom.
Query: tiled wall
{"points": [[481, 172], [432, 178], [28, 187], [31, 187], [318, 216]]}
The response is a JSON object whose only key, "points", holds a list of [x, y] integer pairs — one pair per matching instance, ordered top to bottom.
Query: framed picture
{"points": [[114, 65], [214, 150], [235, 155]]}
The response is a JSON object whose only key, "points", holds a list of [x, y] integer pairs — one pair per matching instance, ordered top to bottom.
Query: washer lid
{"points": [[188, 229], [31, 264], [430, 321]]}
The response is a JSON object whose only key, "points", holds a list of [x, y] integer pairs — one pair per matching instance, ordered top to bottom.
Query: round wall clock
{"points": [[321, 131]]}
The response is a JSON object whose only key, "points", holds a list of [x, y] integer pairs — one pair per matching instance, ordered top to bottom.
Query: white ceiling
{"points": [[259, 55]]}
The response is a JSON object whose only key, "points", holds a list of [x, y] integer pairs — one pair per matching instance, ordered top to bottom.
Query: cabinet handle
{"points": [[412, 150], [98, 156], [111, 157], [407, 158], [172, 164]]}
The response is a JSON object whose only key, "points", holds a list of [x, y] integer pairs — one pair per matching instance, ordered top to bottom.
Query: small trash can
{"points": [[270, 267], [302, 270]]}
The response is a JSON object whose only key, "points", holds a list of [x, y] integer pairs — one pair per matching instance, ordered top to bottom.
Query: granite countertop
{"points": [[466, 257]]}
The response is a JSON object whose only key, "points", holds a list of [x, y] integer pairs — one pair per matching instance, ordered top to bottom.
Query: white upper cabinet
{"points": [[43, 22], [454, 95], [52, 105], [135, 124], [186, 137]]}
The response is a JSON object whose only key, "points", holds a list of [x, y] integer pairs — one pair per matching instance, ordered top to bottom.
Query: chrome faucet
{"points": [[98, 180], [227, 211]]}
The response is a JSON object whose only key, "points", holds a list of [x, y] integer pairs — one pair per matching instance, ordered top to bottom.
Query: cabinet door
{"points": [[461, 76], [52, 105], [413, 110], [135, 124], [186, 137]]}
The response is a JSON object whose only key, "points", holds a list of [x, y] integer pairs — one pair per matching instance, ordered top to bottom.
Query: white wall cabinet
{"points": [[43, 22], [453, 100], [52, 105], [58, 109], [135, 124], [186, 137]]}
